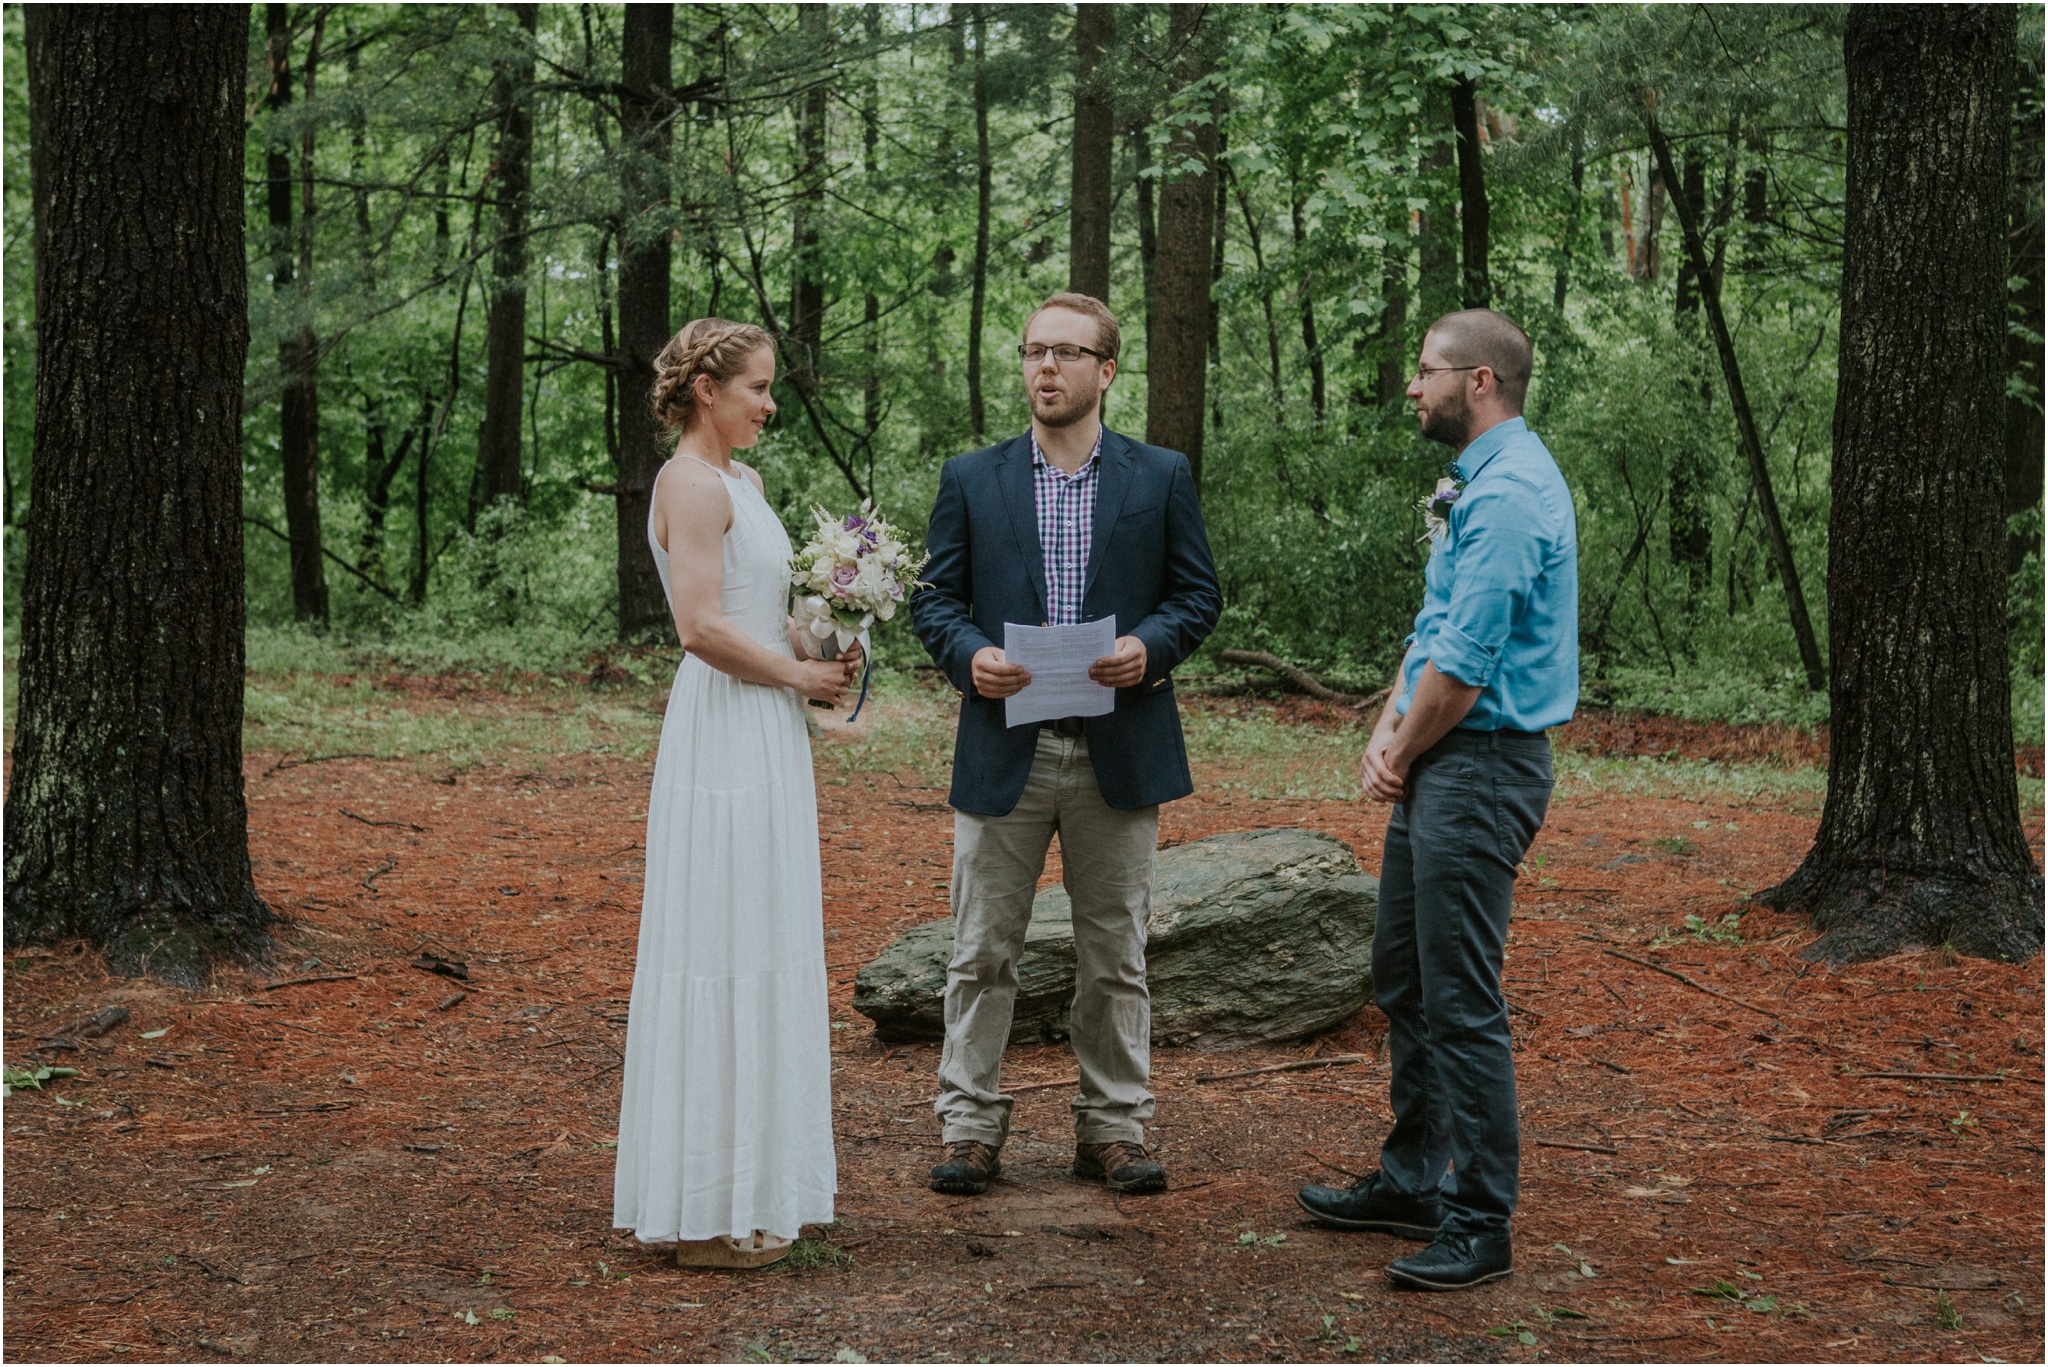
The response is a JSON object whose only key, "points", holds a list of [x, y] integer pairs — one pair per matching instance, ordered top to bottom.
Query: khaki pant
{"points": [[1107, 858]]}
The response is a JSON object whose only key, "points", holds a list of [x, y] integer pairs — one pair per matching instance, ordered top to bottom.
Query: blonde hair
{"points": [[1109, 338], [715, 347]]}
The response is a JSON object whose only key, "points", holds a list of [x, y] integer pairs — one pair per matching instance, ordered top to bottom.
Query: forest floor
{"points": [[394, 1166]]}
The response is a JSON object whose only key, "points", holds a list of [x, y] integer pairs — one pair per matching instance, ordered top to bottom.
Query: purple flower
{"points": [[1441, 504], [855, 522], [842, 581]]}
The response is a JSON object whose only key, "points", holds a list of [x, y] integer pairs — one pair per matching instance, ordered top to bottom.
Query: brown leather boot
{"points": [[1120, 1165], [968, 1169]]}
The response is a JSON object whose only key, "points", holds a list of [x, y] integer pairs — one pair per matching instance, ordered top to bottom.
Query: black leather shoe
{"points": [[969, 1166], [1121, 1166], [1365, 1204], [1455, 1261]]}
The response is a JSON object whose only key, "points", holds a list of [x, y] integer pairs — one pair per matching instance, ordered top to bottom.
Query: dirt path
{"points": [[366, 1168]]}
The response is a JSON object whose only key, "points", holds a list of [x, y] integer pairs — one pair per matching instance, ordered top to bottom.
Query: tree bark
{"points": [[1094, 148], [984, 182], [1220, 217], [1474, 218], [1148, 229], [807, 279], [644, 322], [505, 324], [1311, 345], [297, 355], [1176, 387], [1745, 424], [2024, 435], [125, 818], [1920, 841]]}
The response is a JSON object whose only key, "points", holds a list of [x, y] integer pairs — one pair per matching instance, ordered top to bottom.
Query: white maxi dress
{"points": [[725, 1123]]}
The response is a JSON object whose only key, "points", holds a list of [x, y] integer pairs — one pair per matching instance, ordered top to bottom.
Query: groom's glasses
{"points": [[1031, 353], [1423, 372]]}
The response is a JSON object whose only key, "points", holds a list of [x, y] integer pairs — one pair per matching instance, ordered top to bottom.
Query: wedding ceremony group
{"points": [[1184, 682]]}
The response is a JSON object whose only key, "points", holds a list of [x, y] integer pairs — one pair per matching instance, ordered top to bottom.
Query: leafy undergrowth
{"points": [[1729, 1153]]}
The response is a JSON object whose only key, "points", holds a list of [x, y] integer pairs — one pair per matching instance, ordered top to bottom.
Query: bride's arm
{"points": [[695, 512]]}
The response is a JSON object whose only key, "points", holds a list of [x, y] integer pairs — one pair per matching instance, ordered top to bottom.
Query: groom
{"points": [[1068, 523], [1462, 752]]}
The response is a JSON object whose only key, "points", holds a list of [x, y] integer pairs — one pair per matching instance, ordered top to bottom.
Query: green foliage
{"points": [[1340, 183]]}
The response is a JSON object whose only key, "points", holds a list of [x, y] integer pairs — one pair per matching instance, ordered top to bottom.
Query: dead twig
{"points": [[313, 759], [367, 821], [370, 878], [315, 978], [1695, 986], [1333, 1061], [1947, 1077], [1568, 1144], [1321, 1161]]}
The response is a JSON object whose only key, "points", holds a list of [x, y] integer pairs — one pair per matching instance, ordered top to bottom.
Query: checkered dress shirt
{"points": [[1066, 525]]}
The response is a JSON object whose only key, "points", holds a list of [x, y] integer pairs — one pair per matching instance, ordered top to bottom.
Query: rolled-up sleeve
{"points": [[1500, 556]]}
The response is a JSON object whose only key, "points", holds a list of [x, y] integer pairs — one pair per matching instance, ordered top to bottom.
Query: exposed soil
{"points": [[373, 1168]]}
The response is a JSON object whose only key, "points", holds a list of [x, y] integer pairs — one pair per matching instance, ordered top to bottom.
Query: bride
{"points": [[725, 1125]]}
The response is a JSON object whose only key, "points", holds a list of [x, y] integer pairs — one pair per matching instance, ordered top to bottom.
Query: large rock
{"points": [[1254, 936]]}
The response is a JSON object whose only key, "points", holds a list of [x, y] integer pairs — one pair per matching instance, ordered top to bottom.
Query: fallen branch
{"points": [[1302, 680], [313, 759], [403, 825], [370, 878], [316, 978], [1697, 987], [1530, 1012], [1333, 1061], [1947, 1077], [1044, 1086], [1568, 1144], [1321, 1161]]}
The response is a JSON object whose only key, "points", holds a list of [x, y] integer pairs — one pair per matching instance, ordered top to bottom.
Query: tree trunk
{"points": [[1094, 147], [984, 180], [1220, 217], [1474, 217], [1148, 230], [1255, 238], [1564, 256], [807, 278], [1437, 285], [871, 303], [644, 322], [1390, 378], [1318, 381], [1176, 388], [299, 394], [1745, 425], [2024, 436], [498, 457], [125, 818], [1920, 842]]}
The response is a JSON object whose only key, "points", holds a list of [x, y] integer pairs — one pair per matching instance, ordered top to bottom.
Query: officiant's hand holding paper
{"points": [[1123, 668]]}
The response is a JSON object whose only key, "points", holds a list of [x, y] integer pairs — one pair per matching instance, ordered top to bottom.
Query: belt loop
{"points": [[1493, 741]]}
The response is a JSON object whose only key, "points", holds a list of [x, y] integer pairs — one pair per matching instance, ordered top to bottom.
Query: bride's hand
{"points": [[850, 657], [822, 680]]}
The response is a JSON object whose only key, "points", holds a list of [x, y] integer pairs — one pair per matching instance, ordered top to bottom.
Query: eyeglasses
{"points": [[1031, 353], [1423, 372]]}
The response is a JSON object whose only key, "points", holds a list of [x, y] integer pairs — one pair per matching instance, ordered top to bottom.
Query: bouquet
{"points": [[855, 571]]}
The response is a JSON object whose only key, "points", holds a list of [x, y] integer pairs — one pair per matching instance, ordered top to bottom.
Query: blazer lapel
{"points": [[1113, 483], [1020, 500]]}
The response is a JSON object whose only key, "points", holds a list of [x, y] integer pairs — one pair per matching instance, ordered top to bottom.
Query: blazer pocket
{"points": [[1149, 511]]}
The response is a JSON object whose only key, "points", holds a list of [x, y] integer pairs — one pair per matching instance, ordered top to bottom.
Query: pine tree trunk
{"points": [[1094, 148], [984, 183], [1474, 217], [1148, 229], [1437, 282], [644, 322], [505, 325], [1176, 383], [299, 394], [2024, 434], [125, 819], [1920, 842]]}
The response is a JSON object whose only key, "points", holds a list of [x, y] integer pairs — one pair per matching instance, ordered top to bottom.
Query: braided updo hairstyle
{"points": [[709, 346]]}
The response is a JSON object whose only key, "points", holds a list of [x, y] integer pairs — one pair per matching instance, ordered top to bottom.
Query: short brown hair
{"points": [[1474, 337], [1109, 338], [709, 346]]}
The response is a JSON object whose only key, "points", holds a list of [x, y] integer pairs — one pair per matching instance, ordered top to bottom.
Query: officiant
{"points": [[1066, 523]]}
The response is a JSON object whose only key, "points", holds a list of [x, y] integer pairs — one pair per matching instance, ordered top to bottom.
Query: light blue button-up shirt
{"points": [[1500, 606]]}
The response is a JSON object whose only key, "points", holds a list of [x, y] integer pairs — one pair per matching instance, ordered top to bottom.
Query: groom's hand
{"points": [[1124, 669], [994, 677], [1383, 783]]}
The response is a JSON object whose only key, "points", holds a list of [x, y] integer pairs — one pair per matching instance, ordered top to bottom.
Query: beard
{"points": [[1070, 408], [1450, 422]]}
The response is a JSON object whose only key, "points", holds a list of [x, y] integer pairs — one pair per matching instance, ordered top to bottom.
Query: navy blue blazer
{"points": [[1148, 567]]}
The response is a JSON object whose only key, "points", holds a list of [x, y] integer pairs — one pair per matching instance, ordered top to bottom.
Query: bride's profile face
{"points": [[740, 408]]}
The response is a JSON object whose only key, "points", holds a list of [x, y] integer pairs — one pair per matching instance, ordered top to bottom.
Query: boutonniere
{"points": [[1436, 508]]}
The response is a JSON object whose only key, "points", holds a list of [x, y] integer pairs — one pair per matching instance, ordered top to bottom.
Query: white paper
{"points": [[1058, 659]]}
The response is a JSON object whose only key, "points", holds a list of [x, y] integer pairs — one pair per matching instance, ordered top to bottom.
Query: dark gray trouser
{"points": [[1475, 801]]}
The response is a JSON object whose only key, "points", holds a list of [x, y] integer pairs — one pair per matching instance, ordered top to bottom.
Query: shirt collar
{"points": [[1485, 447], [1038, 456]]}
